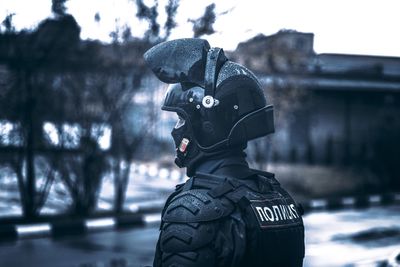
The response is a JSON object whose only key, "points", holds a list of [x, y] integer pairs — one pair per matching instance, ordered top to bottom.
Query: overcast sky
{"points": [[340, 26]]}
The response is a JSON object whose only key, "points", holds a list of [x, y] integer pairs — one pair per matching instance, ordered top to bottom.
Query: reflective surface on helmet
{"points": [[180, 60], [176, 97], [179, 123]]}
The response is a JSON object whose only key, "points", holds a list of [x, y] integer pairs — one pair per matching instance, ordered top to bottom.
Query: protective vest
{"points": [[222, 221]]}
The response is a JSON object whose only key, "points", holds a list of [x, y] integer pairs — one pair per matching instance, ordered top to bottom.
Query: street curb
{"points": [[354, 202], [75, 227], [59, 229], [8, 232]]}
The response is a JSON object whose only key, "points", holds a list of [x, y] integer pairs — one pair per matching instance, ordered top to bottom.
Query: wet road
{"points": [[352, 237], [342, 238], [128, 247]]}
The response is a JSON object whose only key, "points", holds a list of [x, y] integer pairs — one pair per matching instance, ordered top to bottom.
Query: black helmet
{"points": [[221, 101]]}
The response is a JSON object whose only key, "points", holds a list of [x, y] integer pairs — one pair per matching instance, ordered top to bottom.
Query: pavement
{"points": [[366, 237], [122, 248]]}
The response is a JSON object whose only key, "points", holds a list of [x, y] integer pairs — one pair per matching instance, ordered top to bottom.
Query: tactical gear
{"points": [[179, 61], [221, 101], [226, 214], [219, 221]]}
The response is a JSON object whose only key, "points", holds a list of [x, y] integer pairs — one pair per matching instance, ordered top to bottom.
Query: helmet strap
{"points": [[215, 59]]}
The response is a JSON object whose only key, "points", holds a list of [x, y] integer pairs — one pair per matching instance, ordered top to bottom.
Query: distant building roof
{"points": [[291, 53]]}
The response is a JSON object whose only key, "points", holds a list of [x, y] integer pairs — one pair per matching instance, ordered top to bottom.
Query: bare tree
{"points": [[58, 7], [171, 9], [150, 14], [8, 24], [204, 25], [61, 80]]}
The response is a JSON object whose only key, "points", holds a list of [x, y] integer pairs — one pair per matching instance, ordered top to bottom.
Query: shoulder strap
{"points": [[215, 59], [263, 173], [268, 175]]}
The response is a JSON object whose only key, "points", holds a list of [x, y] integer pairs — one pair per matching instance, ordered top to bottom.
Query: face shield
{"points": [[183, 102]]}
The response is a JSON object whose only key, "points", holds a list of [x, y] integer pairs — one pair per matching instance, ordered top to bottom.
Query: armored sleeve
{"points": [[199, 230]]}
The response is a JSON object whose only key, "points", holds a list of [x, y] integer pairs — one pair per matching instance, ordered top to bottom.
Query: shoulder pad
{"points": [[231, 69], [196, 205], [182, 237]]}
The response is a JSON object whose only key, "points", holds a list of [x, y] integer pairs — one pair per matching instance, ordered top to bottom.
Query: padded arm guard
{"points": [[199, 230]]}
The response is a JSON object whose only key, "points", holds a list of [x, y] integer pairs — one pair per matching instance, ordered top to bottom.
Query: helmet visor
{"points": [[177, 99]]}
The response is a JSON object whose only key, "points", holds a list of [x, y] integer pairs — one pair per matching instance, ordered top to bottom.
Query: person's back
{"points": [[226, 214]]}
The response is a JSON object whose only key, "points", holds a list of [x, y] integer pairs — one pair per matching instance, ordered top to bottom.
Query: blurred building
{"points": [[330, 108]]}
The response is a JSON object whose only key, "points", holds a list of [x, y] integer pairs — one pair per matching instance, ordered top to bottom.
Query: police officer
{"points": [[226, 214]]}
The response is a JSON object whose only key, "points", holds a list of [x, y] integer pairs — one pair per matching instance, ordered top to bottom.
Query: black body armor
{"points": [[219, 220]]}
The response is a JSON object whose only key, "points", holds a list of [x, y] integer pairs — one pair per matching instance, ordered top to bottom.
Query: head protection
{"points": [[221, 102]]}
